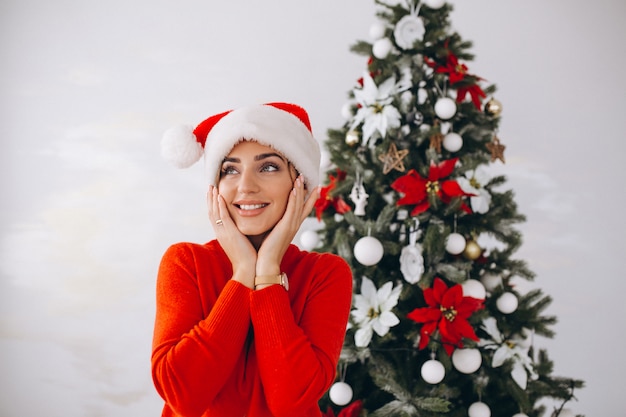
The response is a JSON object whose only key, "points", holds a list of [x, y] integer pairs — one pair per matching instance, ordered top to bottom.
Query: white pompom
{"points": [[445, 108], [180, 147], [309, 239], [455, 243], [368, 250], [474, 288], [507, 303], [467, 361], [433, 371], [340, 393], [479, 409], [520, 415]]}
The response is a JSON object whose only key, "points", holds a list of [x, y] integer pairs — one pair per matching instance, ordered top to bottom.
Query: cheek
{"points": [[225, 191]]}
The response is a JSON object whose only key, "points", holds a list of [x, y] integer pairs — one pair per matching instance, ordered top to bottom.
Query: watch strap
{"points": [[280, 279]]}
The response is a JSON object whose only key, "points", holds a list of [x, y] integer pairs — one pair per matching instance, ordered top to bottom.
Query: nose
{"points": [[248, 182]]}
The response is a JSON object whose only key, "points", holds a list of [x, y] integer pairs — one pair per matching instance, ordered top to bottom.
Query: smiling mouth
{"points": [[250, 206]]}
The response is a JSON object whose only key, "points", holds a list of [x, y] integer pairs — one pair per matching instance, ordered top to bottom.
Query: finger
{"points": [[298, 191], [299, 194], [209, 203], [310, 203], [216, 209], [222, 210], [291, 211]]}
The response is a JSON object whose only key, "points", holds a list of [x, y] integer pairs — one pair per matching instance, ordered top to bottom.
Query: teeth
{"points": [[251, 206]]}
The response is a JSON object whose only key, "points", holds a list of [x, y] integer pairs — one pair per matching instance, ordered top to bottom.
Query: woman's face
{"points": [[255, 181]]}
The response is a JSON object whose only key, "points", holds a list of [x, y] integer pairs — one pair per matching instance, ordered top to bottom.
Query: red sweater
{"points": [[223, 350]]}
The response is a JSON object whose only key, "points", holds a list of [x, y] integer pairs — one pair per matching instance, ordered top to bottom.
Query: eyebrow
{"points": [[258, 157]]}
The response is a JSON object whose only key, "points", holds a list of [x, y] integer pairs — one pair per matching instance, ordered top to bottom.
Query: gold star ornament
{"points": [[496, 149], [393, 159]]}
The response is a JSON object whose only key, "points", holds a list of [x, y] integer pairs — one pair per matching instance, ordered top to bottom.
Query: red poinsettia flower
{"points": [[457, 72], [475, 92], [417, 190], [326, 200], [447, 313], [353, 410]]}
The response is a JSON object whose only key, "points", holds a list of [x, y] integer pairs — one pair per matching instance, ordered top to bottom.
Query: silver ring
{"points": [[219, 222]]}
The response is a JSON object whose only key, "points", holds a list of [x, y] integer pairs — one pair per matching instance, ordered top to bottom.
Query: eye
{"points": [[270, 167], [228, 170]]}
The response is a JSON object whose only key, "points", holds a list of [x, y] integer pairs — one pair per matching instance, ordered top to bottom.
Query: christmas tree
{"points": [[438, 327]]}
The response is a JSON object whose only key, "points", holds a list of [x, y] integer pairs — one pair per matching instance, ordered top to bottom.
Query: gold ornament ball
{"points": [[493, 107], [352, 138], [472, 250]]}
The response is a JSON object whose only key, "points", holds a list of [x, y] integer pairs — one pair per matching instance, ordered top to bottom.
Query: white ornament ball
{"points": [[434, 4], [377, 30], [382, 48], [445, 108], [452, 142], [309, 239], [455, 243], [368, 250], [491, 281], [474, 288], [507, 303], [467, 361], [433, 371], [340, 393], [479, 409], [520, 415]]}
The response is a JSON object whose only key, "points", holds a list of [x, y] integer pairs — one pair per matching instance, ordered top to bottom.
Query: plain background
{"points": [[88, 206]]}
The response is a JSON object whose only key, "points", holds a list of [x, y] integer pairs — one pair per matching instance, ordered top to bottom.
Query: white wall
{"points": [[88, 206]]}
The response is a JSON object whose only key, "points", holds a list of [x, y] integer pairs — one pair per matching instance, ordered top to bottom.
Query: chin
{"points": [[253, 230]]}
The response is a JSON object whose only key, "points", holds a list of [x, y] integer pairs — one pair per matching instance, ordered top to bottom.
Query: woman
{"points": [[247, 324]]}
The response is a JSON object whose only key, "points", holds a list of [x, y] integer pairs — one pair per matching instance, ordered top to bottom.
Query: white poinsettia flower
{"points": [[376, 111], [473, 183], [372, 312], [508, 349]]}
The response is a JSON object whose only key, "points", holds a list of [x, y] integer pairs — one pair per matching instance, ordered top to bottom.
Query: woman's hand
{"points": [[277, 241], [238, 248]]}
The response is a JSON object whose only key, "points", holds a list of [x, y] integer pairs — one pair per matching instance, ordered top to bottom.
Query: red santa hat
{"points": [[282, 126]]}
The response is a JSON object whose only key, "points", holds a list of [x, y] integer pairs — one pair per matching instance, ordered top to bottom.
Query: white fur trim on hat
{"points": [[269, 126], [180, 147]]}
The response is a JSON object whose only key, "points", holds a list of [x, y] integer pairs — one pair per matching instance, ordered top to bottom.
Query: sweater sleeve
{"points": [[193, 354], [298, 360]]}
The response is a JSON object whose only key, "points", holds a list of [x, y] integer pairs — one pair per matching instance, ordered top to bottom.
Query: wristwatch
{"points": [[272, 279]]}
